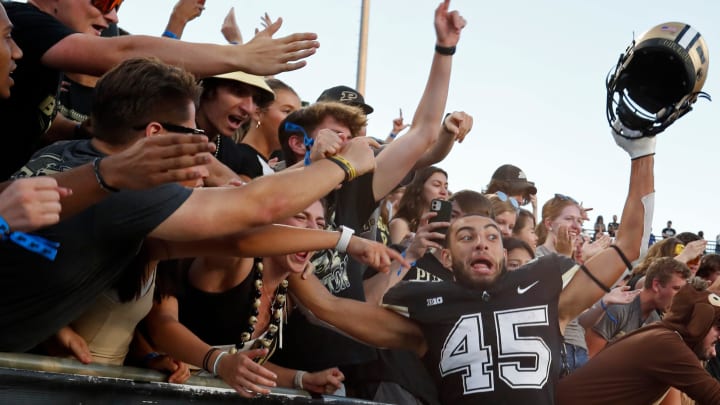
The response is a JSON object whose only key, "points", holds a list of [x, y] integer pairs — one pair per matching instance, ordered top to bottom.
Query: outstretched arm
{"points": [[262, 55], [399, 157], [148, 163], [207, 213], [274, 240], [363, 321]]}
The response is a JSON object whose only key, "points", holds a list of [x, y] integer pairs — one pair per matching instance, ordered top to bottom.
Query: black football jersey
{"points": [[499, 346]]}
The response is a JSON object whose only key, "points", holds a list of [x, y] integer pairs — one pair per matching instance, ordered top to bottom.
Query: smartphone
{"points": [[444, 212]]}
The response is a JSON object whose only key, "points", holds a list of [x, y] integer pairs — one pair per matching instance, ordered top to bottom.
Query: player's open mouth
{"points": [[481, 265]]}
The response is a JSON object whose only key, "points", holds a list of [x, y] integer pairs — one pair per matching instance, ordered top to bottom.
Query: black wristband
{"points": [[445, 50], [99, 177]]}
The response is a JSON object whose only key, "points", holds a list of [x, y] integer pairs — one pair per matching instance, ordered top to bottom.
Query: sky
{"points": [[531, 73]]}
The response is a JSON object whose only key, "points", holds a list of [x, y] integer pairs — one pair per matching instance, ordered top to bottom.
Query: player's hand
{"points": [[633, 142], [31, 203], [374, 254]]}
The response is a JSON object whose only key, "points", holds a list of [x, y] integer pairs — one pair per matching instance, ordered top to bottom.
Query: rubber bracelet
{"points": [[169, 34], [445, 50], [393, 136], [350, 172], [100, 179], [345, 236], [217, 362], [297, 380]]}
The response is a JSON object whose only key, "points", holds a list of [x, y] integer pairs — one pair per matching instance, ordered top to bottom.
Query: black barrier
{"points": [[32, 379]]}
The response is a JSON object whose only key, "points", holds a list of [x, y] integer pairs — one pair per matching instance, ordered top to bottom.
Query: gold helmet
{"points": [[657, 80]]}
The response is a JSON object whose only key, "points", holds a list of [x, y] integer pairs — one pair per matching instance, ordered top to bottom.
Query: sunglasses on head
{"points": [[106, 6], [505, 198], [566, 198]]}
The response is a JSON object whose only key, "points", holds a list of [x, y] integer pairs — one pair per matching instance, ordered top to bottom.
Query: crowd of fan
{"points": [[184, 218]]}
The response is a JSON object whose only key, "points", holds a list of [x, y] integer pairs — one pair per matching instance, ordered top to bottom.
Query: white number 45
{"points": [[465, 351]]}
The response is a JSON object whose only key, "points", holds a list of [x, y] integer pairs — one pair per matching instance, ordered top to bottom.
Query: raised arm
{"points": [[183, 12], [263, 55], [399, 157], [607, 266], [363, 321]]}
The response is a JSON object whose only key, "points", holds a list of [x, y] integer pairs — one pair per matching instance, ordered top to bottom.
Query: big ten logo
{"points": [[434, 301]]}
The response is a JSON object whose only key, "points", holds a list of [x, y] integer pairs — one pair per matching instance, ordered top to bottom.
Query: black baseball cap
{"points": [[346, 95], [515, 177]]}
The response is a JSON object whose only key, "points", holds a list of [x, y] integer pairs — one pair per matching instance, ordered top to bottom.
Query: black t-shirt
{"points": [[27, 114], [242, 158], [428, 268], [38, 296], [501, 346], [310, 347]]}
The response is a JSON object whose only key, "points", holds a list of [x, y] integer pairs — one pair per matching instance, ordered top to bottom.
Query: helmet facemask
{"points": [[656, 80]]}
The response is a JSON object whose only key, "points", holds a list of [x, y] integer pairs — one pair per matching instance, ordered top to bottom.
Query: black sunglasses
{"points": [[174, 128]]}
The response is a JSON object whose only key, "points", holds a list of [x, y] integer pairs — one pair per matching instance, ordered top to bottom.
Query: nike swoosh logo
{"points": [[524, 290]]}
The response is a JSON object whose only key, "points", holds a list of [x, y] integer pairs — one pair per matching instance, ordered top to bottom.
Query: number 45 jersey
{"points": [[496, 346]]}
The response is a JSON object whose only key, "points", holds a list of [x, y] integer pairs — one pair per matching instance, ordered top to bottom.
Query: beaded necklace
{"points": [[217, 143], [276, 312]]}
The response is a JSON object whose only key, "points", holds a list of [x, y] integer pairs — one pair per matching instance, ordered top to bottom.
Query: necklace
{"points": [[217, 143], [276, 312]]}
